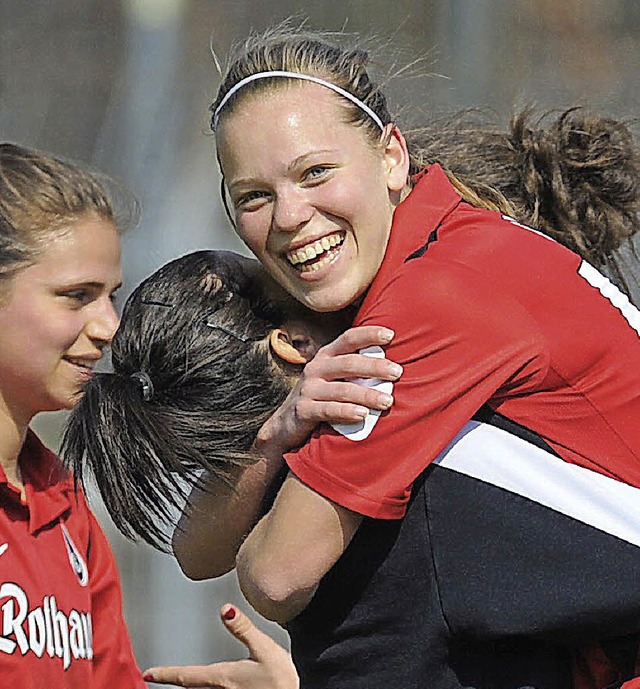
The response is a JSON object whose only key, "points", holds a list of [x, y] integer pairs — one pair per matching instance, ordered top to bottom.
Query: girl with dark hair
{"points": [[195, 377], [146, 449], [60, 599]]}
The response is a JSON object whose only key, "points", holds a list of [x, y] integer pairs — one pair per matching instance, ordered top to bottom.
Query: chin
{"points": [[331, 300], [65, 401]]}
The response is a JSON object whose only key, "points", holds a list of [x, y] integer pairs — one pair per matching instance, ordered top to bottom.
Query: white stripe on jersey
{"points": [[504, 460]]}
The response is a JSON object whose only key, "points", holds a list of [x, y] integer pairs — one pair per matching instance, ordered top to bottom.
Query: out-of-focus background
{"points": [[124, 86]]}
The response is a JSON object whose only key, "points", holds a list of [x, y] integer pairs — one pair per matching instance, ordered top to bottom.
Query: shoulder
{"points": [[441, 290], [457, 311]]}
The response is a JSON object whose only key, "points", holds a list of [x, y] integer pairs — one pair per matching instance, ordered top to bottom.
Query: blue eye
{"points": [[315, 172]]}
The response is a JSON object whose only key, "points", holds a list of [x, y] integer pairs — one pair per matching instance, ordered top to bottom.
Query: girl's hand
{"points": [[326, 391], [268, 666]]}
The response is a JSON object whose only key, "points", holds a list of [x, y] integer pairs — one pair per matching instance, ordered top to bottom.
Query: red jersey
{"points": [[485, 312], [61, 622]]}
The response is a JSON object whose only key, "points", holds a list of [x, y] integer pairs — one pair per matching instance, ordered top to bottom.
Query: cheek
{"points": [[362, 204], [254, 232], [59, 333]]}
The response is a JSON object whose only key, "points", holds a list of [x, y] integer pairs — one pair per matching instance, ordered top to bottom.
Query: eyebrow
{"points": [[90, 283]]}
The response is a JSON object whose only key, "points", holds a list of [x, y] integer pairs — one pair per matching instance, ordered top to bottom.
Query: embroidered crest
{"points": [[78, 564]]}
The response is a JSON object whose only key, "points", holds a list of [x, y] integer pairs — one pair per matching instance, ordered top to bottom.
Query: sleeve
{"points": [[461, 342], [114, 665]]}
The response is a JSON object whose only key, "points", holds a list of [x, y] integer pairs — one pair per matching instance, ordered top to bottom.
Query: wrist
{"points": [[271, 443]]}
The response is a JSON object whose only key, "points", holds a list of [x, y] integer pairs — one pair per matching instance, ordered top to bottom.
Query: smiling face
{"points": [[313, 197], [56, 318]]}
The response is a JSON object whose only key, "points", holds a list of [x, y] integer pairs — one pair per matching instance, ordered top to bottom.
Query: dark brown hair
{"points": [[197, 331]]}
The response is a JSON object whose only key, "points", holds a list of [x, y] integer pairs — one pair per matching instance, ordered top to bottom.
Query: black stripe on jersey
{"points": [[433, 237], [493, 418], [499, 458], [530, 548], [502, 561]]}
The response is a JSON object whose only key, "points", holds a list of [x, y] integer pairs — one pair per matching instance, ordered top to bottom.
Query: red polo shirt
{"points": [[485, 311], [61, 622]]}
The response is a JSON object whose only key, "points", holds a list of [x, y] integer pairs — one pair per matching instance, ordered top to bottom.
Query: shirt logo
{"points": [[362, 429], [3, 548], [77, 562], [42, 630]]}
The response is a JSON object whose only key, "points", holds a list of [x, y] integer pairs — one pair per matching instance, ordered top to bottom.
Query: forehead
{"points": [[283, 118], [87, 249]]}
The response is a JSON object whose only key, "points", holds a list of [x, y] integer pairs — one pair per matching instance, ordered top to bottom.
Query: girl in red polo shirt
{"points": [[61, 623]]}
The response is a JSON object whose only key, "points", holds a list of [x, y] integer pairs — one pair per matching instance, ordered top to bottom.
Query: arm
{"points": [[370, 473], [218, 518], [277, 570], [268, 666]]}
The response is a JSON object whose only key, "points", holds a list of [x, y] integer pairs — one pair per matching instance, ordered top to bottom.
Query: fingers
{"points": [[358, 338], [340, 359], [350, 367], [342, 402], [242, 628], [269, 666], [218, 675], [224, 675]]}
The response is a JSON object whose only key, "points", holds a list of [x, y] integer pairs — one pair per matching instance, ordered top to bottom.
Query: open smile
{"points": [[316, 254]]}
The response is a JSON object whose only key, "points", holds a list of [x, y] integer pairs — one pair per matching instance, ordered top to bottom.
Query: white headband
{"points": [[294, 75]]}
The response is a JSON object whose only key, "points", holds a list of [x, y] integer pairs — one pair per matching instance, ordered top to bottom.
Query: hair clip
{"points": [[151, 302], [210, 324], [146, 384]]}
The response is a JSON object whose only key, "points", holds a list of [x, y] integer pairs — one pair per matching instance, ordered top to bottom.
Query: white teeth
{"points": [[312, 251], [312, 267]]}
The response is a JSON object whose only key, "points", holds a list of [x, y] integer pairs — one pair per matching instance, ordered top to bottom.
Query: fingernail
{"points": [[386, 334], [396, 370], [386, 401], [361, 412], [230, 614], [147, 677]]}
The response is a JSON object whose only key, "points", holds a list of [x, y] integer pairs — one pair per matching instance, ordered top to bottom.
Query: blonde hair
{"points": [[284, 48]]}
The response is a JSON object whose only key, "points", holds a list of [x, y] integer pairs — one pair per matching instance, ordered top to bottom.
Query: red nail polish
{"points": [[230, 614], [147, 678]]}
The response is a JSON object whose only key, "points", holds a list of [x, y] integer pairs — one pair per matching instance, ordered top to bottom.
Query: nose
{"points": [[291, 210], [103, 322]]}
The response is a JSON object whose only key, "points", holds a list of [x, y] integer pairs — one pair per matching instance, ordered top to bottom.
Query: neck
{"points": [[13, 430]]}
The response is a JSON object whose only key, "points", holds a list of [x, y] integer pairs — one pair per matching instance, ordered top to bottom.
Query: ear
{"points": [[396, 156], [284, 348]]}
